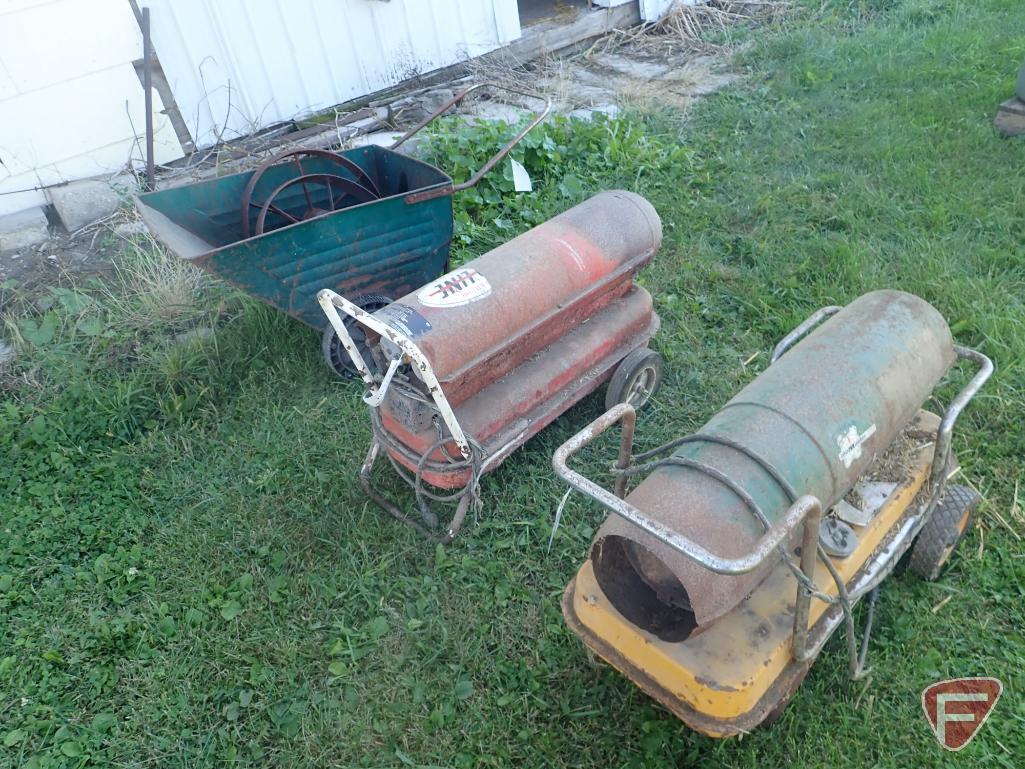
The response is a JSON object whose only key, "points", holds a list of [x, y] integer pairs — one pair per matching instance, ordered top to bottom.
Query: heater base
{"points": [[507, 413]]}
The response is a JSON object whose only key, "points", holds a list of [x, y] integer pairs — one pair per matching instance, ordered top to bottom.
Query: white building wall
{"points": [[235, 65], [71, 105]]}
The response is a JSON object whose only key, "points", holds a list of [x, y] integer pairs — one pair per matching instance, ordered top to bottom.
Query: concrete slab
{"points": [[632, 66], [712, 82], [496, 110], [587, 113], [379, 138], [81, 203], [134, 228], [23, 230], [7, 353]]}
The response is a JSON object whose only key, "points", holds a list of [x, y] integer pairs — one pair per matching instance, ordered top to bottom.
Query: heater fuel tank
{"points": [[480, 321], [811, 423]]}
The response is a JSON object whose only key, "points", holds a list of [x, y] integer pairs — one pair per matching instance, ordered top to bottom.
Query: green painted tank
{"points": [[813, 421]]}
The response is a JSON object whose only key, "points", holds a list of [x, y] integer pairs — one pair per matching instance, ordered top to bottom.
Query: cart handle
{"points": [[495, 159]]}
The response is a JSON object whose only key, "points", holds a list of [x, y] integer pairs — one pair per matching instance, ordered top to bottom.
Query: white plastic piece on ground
{"points": [[521, 179]]}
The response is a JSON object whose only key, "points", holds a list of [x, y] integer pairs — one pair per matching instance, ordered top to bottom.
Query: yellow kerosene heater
{"points": [[715, 583]]}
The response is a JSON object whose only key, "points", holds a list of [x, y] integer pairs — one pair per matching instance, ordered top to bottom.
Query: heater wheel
{"points": [[335, 356], [636, 379], [943, 532]]}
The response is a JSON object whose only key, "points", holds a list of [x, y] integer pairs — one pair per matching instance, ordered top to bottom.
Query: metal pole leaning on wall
{"points": [[147, 87]]}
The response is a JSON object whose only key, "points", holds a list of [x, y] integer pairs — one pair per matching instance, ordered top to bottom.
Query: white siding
{"points": [[653, 10], [236, 66], [71, 105]]}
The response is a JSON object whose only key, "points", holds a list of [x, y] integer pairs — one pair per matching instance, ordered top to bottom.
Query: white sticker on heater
{"points": [[454, 289], [851, 441]]}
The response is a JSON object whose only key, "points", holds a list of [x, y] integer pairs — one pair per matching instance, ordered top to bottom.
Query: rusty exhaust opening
{"points": [[643, 589]]}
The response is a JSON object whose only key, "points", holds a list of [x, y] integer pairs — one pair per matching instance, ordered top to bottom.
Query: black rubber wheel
{"points": [[335, 356], [636, 379], [943, 532], [776, 713]]}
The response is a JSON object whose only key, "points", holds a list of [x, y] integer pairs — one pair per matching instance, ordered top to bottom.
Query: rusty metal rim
{"points": [[350, 165], [348, 187], [398, 195]]}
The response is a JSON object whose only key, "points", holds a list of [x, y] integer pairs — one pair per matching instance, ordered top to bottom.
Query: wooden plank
{"points": [[552, 36]]}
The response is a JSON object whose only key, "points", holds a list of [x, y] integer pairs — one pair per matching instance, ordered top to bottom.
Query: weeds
{"points": [[567, 159], [155, 288], [189, 574]]}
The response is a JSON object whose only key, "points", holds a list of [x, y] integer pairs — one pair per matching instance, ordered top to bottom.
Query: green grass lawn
{"points": [[190, 577]]}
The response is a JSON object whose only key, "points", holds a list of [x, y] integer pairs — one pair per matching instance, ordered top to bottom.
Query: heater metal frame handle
{"points": [[331, 302], [803, 330], [805, 509]]}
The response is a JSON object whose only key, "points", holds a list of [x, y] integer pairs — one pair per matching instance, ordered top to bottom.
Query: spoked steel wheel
{"points": [[341, 191], [335, 356], [636, 379]]}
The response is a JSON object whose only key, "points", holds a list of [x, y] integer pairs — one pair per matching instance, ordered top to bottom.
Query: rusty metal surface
{"points": [[364, 182], [542, 283], [506, 414], [819, 416]]}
